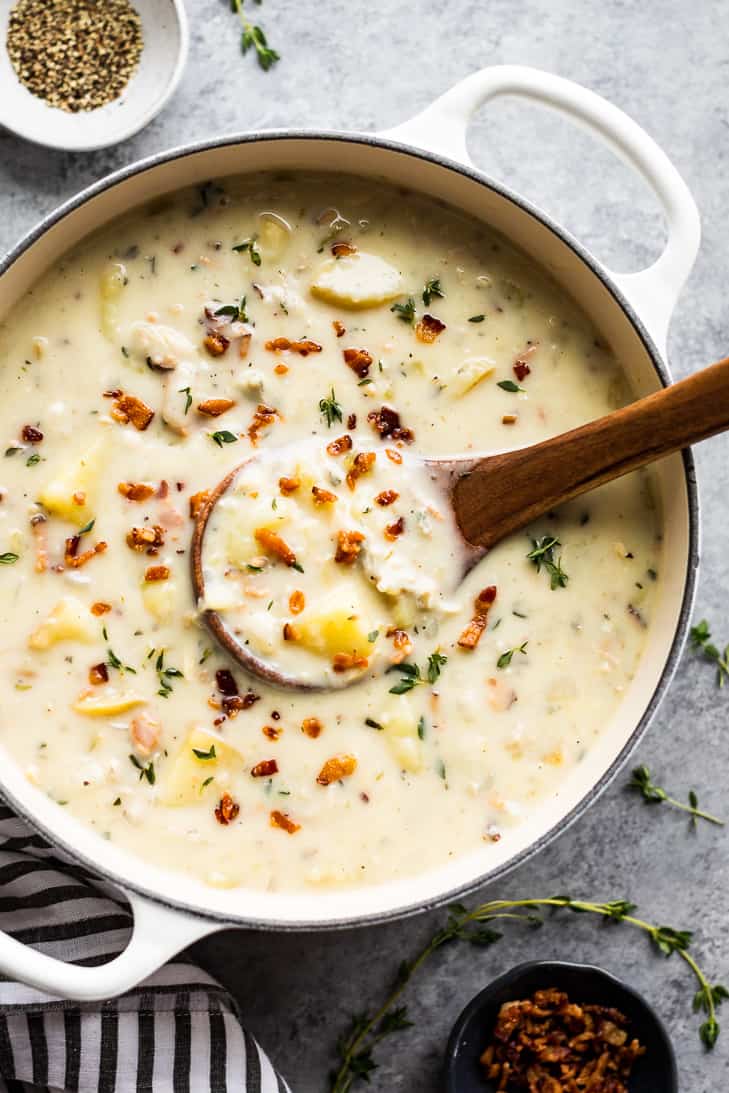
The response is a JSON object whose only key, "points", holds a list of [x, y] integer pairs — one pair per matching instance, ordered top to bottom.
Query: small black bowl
{"points": [[654, 1072]]}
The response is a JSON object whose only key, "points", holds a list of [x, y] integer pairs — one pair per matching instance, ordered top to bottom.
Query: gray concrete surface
{"points": [[368, 66]]}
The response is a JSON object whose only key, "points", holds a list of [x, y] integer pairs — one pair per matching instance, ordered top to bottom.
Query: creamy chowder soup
{"points": [[342, 328]]}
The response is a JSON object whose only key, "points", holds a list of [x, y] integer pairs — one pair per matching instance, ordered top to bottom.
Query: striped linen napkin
{"points": [[179, 1031]]}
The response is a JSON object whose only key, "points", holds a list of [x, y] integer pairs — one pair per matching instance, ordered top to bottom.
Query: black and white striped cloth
{"points": [[179, 1031]]}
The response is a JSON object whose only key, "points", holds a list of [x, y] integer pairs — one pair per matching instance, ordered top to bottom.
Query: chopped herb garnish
{"points": [[253, 37], [250, 246], [432, 288], [406, 311], [237, 312], [477, 318], [125, 351], [509, 385], [188, 397], [330, 409], [223, 436], [12, 451], [32, 460], [86, 528], [542, 554], [8, 558], [297, 566], [254, 568], [373, 636], [701, 642], [205, 654], [505, 659], [113, 661], [436, 661], [411, 675], [372, 724], [421, 728], [209, 754], [441, 769], [144, 771], [641, 780], [207, 782], [117, 802]]}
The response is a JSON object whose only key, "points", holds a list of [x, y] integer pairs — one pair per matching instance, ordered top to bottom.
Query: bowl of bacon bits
{"points": [[554, 1027]]}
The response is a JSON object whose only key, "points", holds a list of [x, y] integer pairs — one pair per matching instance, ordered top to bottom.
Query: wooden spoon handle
{"points": [[506, 492]]}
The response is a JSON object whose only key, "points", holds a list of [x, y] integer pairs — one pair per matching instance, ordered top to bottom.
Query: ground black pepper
{"points": [[74, 54]]}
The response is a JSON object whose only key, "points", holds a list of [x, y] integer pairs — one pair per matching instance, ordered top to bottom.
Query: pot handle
{"points": [[442, 128], [158, 933]]}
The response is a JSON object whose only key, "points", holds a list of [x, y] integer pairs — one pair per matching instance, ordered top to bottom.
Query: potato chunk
{"points": [[357, 281], [111, 283], [468, 374], [72, 493], [159, 598], [69, 620], [339, 630], [107, 702], [401, 733], [184, 783]]}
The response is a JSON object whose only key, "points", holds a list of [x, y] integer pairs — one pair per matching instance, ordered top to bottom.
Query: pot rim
{"points": [[689, 590]]}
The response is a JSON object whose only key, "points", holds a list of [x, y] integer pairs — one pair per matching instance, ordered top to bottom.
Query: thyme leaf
{"points": [[253, 37], [432, 288], [405, 312], [330, 409], [542, 554], [700, 637], [642, 781]]}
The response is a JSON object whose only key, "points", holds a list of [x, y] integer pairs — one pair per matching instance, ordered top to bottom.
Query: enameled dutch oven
{"points": [[631, 311]]}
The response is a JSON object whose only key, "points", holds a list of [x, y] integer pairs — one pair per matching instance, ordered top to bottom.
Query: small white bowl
{"points": [[165, 37]]}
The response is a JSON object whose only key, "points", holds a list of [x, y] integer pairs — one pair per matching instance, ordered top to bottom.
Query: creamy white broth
{"points": [[383, 784]]}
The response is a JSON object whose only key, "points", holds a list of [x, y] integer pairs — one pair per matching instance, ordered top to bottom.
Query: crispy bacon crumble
{"points": [[339, 328], [428, 329], [216, 343], [302, 347], [359, 360], [214, 407], [128, 408], [262, 418], [386, 423], [31, 435], [340, 445], [362, 464], [288, 485], [136, 491], [322, 496], [386, 498], [198, 501], [394, 531], [148, 539], [273, 544], [349, 544], [73, 560], [157, 573], [297, 602], [100, 608], [471, 636], [98, 674], [311, 726], [336, 768], [264, 769], [227, 810], [284, 821], [548, 1043]]}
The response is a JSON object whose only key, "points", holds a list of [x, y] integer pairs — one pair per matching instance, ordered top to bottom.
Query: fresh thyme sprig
{"points": [[253, 37], [432, 288], [330, 409], [542, 554], [701, 642], [410, 674], [641, 780], [355, 1048]]}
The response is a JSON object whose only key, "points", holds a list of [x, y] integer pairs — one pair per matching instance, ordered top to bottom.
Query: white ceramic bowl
{"points": [[164, 27], [427, 153]]}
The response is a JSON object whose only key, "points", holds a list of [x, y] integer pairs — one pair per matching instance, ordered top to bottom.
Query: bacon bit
{"points": [[342, 249], [339, 328], [428, 329], [216, 343], [244, 345], [303, 347], [359, 360], [280, 369], [521, 370], [114, 392], [214, 407], [129, 408], [263, 417], [509, 419], [352, 421], [386, 422], [31, 435], [340, 445], [393, 456], [361, 464], [288, 485], [164, 489], [136, 491], [322, 496], [79, 498], [386, 498], [198, 501], [39, 529], [393, 531], [146, 539], [349, 544], [275, 545], [73, 560], [157, 573], [297, 602], [100, 608], [291, 632], [471, 636], [401, 640], [342, 662], [98, 674], [225, 681], [249, 698], [232, 705], [311, 726], [271, 732], [145, 733], [336, 768], [264, 769], [227, 810], [282, 820]]}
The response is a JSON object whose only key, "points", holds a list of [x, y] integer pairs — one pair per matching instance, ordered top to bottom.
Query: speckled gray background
{"points": [[368, 66]]}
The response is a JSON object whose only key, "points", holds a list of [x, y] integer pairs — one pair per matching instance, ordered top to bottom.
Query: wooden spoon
{"points": [[495, 495]]}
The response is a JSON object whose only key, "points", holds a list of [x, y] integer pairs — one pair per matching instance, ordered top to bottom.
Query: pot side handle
{"points": [[442, 128], [159, 933]]}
